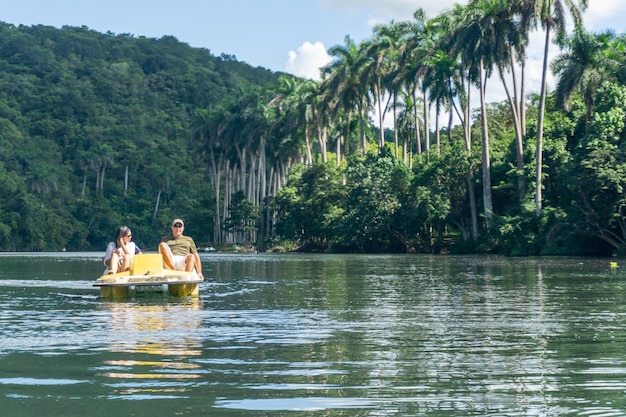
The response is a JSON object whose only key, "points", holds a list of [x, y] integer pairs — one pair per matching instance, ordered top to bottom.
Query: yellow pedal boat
{"points": [[148, 271]]}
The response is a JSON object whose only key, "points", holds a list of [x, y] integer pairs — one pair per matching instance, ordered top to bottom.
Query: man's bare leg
{"points": [[168, 258], [190, 262]]}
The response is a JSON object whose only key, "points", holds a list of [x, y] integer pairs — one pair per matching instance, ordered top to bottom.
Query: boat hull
{"points": [[148, 273]]}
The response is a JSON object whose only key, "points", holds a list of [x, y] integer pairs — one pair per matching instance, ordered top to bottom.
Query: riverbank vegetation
{"points": [[99, 130]]}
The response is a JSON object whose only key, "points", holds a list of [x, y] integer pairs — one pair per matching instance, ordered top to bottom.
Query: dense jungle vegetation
{"points": [[98, 130], [95, 132]]}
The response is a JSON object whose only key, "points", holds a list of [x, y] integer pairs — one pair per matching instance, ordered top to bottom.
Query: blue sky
{"points": [[281, 35]]}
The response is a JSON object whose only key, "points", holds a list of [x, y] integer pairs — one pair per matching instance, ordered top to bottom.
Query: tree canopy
{"points": [[95, 132]]}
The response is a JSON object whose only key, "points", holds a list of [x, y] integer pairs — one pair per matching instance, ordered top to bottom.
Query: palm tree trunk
{"points": [[522, 97], [540, 116], [381, 117], [465, 117], [395, 122], [450, 123], [426, 127], [362, 128], [437, 132], [418, 135], [307, 138], [321, 138], [519, 139], [346, 144], [404, 145], [338, 151], [486, 163], [243, 164], [470, 167], [104, 168], [215, 172], [125, 180], [228, 186], [262, 186], [252, 189], [82, 193], [156, 206]]}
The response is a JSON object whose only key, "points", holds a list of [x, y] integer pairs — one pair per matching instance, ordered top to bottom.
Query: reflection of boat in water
{"points": [[148, 272], [151, 355]]}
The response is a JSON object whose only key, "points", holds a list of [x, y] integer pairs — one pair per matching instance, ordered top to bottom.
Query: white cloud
{"points": [[605, 14], [307, 60]]}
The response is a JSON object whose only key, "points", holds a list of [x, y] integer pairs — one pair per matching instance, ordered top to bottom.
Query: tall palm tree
{"points": [[551, 14], [510, 36], [390, 37], [473, 38], [582, 67], [445, 70], [411, 71], [375, 72], [343, 77], [443, 81], [329, 105], [291, 108], [320, 119], [405, 124], [206, 129], [101, 160], [160, 178], [41, 179]]}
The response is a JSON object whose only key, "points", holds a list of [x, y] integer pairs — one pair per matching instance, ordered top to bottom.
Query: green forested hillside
{"points": [[94, 133]]}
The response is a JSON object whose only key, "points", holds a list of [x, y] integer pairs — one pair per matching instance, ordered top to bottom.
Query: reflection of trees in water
{"points": [[484, 325]]}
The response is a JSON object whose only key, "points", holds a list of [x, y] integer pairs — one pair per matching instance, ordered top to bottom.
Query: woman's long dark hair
{"points": [[121, 232]]}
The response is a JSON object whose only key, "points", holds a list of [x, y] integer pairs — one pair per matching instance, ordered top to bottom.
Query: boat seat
{"points": [[147, 264]]}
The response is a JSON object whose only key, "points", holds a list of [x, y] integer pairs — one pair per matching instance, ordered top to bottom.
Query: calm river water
{"points": [[318, 335]]}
